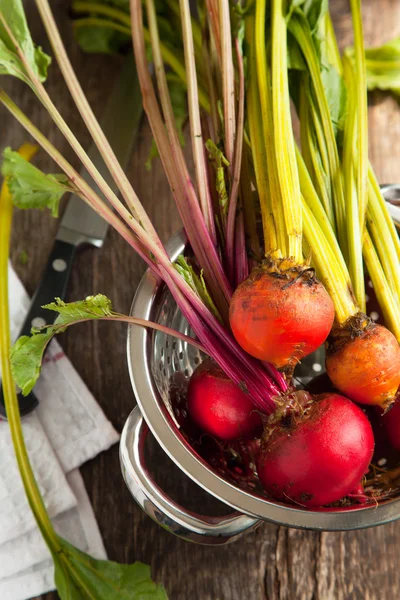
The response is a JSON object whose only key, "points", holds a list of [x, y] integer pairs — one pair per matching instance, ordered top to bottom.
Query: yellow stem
{"points": [[288, 179], [388, 304], [10, 397]]}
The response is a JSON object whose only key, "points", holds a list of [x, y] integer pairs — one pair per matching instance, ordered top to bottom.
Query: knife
{"points": [[80, 226]]}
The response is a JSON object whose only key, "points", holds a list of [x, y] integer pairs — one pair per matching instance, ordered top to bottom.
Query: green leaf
{"points": [[291, 7], [315, 10], [101, 40], [311, 40], [10, 64], [383, 66], [178, 94], [336, 94], [219, 161], [29, 187], [23, 257], [196, 282], [27, 352], [78, 576]]}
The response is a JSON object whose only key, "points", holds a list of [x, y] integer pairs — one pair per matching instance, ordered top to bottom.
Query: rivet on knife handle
{"points": [[53, 285]]}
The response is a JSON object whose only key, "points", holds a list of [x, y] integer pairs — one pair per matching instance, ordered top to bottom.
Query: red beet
{"points": [[278, 319], [218, 406], [391, 421], [320, 457]]}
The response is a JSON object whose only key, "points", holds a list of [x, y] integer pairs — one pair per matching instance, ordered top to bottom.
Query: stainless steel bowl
{"points": [[154, 359]]}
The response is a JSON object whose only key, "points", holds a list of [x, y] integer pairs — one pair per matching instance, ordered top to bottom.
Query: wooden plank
{"points": [[272, 563]]}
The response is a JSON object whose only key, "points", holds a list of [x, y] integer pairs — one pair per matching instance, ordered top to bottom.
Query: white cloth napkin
{"points": [[67, 429]]}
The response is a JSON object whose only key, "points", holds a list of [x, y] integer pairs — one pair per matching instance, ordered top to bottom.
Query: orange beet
{"points": [[280, 320], [367, 368]]}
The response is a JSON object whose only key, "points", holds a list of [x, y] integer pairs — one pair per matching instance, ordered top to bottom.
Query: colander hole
{"points": [[166, 343], [173, 345], [162, 351], [180, 355], [169, 360], [196, 360], [160, 366], [164, 372], [186, 372], [184, 413]]}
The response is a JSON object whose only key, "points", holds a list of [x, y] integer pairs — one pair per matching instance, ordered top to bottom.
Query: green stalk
{"points": [[82, 7], [99, 22], [214, 26], [196, 29], [197, 35], [303, 36], [168, 56], [378, 65], [228, 81], [264, 90], [360, 90], [212, 95], [85, 110], [195, 121], [68, 134], [283, 134], [307, 142], [258, 146], [310, 151], [320, 151], [350, 177], [181, 186], [84, 189], [376, 195], [311, 198], [249, 210], [383, 243], [328, 268], [387, 302], [10, 397]]}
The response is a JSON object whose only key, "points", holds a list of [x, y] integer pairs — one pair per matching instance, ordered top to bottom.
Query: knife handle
{"points": [[52, 285]]}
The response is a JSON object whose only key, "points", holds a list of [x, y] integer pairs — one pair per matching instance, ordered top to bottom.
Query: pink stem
{"points": [[213, 18], [228, 80], [195, 122], [179, 180], [233, 200], [241, 263], [263, 397]]}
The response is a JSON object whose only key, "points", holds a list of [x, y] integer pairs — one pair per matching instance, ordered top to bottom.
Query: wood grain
{"points": [[273, 563]]}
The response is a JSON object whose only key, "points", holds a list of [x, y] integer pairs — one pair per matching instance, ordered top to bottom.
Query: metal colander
{"points": [[155, 360], [172, 361]]}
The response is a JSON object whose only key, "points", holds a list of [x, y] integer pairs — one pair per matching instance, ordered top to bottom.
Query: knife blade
{"points": [[80, 225]]}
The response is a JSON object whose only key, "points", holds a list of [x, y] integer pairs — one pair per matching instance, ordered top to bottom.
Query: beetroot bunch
{"points": [[279, 233], [308, 289]]}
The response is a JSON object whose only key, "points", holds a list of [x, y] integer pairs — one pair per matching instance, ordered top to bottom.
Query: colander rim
{"points": [[161, 425]]}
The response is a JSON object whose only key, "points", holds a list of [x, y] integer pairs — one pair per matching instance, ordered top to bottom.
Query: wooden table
{"points": [[273, 562]]}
